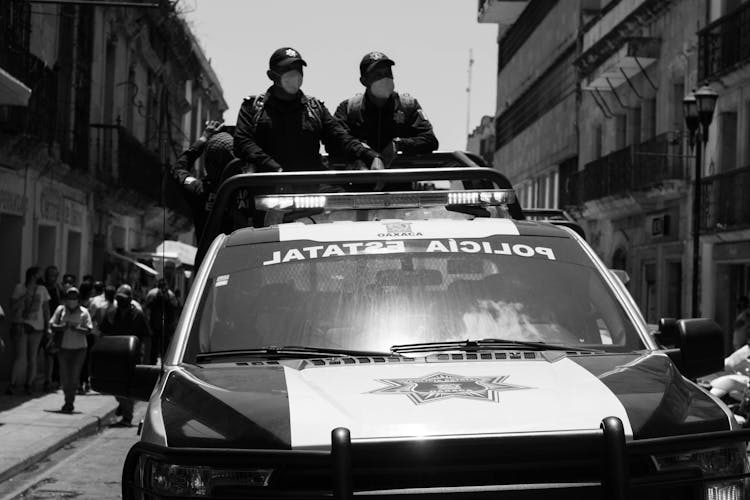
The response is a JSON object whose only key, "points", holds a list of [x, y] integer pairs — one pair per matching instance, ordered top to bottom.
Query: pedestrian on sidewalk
{"points": [[55, 290], [30, 306], [125, 319], [74, 322]]}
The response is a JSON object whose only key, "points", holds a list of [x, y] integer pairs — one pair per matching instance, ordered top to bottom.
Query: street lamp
{"points": [[698, 109]]}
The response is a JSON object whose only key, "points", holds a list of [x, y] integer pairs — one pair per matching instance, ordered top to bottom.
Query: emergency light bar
{"points": [[395, 199]]}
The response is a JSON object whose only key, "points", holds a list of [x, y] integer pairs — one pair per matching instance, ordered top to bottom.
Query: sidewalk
{"points": [[35, 428]]}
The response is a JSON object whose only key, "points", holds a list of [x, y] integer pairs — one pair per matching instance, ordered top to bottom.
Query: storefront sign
{"points": [[12, 203], [50, 204], [73, 212]]}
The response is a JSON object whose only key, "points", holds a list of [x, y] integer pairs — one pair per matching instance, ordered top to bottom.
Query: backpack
{"points": [[312, 106], [354, 107]]}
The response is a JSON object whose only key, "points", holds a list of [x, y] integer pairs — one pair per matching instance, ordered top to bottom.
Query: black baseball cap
{"points": [[285, 56], [371, 60]]}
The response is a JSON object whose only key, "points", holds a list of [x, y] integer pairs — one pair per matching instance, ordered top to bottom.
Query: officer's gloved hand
{"points": [[212, 126], [388, 154], [377, 164], [193, 185], [738, 361]]}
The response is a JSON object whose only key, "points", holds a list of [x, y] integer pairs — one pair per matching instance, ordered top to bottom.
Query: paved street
{"points": [[88, 468]]}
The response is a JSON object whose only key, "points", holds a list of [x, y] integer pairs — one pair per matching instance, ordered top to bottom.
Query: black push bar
{"points": [[607, 447]]}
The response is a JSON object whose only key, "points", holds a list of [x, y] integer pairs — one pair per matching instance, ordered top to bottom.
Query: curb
{"points": [[84, 431]]}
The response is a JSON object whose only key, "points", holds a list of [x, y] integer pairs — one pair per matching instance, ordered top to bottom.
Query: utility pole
{"points": [[468, 93]]}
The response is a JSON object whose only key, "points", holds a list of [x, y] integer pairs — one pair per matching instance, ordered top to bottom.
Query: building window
{"points": [[678, 94], [649, 119], [635, 126], [621, 131], [728, 141], [597, 144], [45, 245], [73, 255], [674, 290], [649, 299]]}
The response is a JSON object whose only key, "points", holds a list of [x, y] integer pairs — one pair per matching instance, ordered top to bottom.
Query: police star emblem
{"points": [[439, 386]]}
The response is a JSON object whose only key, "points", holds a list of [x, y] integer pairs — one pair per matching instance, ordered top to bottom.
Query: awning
{"points": [[634, 57], [12, 91], [181, 253], [140, 265]]}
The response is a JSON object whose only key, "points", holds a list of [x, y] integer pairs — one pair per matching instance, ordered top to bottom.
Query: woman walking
{"points": [[30, 304], [72, 322]]}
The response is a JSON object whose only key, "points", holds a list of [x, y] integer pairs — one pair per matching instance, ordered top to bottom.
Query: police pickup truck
{"points": [[356, 340]]}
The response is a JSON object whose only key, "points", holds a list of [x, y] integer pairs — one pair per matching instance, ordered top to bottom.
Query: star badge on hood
{"points": [[439, 386]]}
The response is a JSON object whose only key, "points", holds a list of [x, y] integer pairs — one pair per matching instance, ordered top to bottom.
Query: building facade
{"points": [[724, 63], [115, 94], [535, 120], [481, 140], [614, 150]]}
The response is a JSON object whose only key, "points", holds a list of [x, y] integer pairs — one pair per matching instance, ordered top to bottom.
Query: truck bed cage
{"points": [[606, 448]]}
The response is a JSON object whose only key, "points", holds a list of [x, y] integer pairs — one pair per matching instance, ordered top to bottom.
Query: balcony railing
{"points": [[724, 44], [122, 161], [635, 168], [726, 204]]}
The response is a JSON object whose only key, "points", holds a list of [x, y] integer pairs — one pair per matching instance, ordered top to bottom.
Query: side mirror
{"points": [[700, 342], [115, 369]]}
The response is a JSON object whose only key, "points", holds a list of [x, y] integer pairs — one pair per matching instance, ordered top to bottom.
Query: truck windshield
{"points": [[371, 295]]}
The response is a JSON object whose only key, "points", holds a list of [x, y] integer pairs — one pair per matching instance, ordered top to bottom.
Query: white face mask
{"points": [[291, 81], [382, 88]]}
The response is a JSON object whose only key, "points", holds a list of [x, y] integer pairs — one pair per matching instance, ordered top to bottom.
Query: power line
{"points": [[468, 93]]}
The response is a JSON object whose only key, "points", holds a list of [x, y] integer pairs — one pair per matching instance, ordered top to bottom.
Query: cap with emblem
{"points": [[284, 57], [371, 60], [125, 292]]}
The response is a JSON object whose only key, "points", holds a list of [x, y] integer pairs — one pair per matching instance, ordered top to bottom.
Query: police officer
{"points": [[387, 121], [281, 130], [199, 192]]}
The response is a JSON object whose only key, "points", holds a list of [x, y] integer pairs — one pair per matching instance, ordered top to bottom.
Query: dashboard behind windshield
{"points": [[369, 296]]}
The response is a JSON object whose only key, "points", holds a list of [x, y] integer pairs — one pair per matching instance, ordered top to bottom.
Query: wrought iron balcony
{"points": [[724, 44], [122, 161], [637, 167], [725, 201]]}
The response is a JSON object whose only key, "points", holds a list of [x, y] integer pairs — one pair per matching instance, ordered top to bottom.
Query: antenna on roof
{"points": [[468, 93]]}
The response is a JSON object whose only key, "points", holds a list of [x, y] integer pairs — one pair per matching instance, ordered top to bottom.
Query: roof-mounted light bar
{"points": [[395, 199]]}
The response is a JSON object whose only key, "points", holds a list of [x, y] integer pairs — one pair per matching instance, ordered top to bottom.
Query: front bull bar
{"points": [[608, 444]]}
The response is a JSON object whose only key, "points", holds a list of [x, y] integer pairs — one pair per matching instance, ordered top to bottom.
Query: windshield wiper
{"points": [[484, 344], [288, 352]]}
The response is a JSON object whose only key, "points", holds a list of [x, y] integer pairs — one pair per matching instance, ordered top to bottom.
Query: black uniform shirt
{"points": [[379, 126], [288, 134]]}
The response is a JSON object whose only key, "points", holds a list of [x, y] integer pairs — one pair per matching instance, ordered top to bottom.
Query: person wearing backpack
{"points": [[388, 121], [282, 129], [215, 144]]}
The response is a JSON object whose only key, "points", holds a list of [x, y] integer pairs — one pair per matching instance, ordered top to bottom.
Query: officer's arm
{"points": [[421, 137], [337, 139], [245, 146], [182, 169]]}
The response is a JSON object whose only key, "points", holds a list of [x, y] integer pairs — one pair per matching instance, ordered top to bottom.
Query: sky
{"points": [[429, 40]]}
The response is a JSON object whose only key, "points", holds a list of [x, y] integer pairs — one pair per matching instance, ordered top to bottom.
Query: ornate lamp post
{"points": [[698, 109]]}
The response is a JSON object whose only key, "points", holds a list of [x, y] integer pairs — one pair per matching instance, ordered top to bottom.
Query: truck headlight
{"points": [[713, 462], [197, 481]]}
